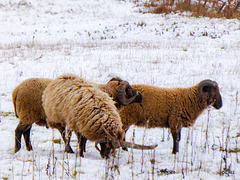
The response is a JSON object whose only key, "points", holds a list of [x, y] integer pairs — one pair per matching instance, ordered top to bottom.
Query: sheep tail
{"points": [[14, 99]]}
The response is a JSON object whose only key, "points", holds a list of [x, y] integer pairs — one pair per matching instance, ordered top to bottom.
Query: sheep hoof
{"points": [[29, 148], [125, 148], [16, 150], [69, 150], [174, 152], [81, 153]]}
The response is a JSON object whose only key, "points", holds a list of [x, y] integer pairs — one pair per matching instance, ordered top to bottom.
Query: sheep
{"points": [[123, 94], [26, 98], [72, 102], [171, 108]]}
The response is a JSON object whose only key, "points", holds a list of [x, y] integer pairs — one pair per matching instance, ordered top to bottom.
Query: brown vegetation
{"points": [[207, 8]]}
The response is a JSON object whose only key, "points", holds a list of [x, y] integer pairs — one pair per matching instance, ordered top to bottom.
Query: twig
{"points": [[205, 3], [237, 6], [221, 8], [206, 140], [192, 149], [132, 154], [153, 160], [33, 169], [22, 170], [68, 173]]}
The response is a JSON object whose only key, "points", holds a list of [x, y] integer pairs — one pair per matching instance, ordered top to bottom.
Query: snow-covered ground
{"points": [[98, 39]]}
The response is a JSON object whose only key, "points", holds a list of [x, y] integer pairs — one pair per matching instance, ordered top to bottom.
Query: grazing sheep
{"points": [[123, 94], [26, 98], [72, 102], [28, 108], [171, 108]]}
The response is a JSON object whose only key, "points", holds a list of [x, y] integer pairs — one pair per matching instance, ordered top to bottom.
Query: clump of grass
{"points": [[207, 8], [5, 114], [56, 141], [234, 150], [163, 172], [226, 172]]}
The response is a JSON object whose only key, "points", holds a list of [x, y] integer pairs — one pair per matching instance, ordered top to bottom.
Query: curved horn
{"points": [[115, 79], [204, 83], [122, 94], [107, 133], [115, 143], [125, 144]]}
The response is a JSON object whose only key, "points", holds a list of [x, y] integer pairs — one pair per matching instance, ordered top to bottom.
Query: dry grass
{"points": [[207, 8]]}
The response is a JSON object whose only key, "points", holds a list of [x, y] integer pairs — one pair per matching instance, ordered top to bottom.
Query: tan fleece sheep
{"points": [[26, 98], [27, 102], [71, 102], [171, 108]]}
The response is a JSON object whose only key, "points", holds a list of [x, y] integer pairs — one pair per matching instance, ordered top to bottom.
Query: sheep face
{"points": [[210, 90], [214, 97], [111, 144], [106, 149]]}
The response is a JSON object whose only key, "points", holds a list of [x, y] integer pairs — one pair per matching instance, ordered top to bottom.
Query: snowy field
{"points": [[98, 39]]}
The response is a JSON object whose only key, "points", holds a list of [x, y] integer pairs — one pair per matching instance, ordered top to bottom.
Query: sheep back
{"points": [[26, 98], [82, 107], [161, 107]]}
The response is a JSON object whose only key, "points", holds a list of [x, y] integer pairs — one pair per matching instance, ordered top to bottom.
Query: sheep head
{"points": [[209, 90], [124, 94], [111, 143]]}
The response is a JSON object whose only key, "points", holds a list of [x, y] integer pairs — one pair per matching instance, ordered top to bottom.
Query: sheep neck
{"points": [[192, 105]]}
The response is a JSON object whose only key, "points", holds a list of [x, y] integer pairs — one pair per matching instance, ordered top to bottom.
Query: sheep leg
{"points": [[21, 128], [62, 131], [26, 135], [176, 138], [124, 139], [67, 142], [82, 144]]}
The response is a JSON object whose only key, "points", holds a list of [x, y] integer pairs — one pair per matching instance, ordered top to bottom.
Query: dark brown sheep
{"points": [[171, 108]]}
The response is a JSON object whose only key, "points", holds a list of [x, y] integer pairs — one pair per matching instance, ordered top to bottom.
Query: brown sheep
{"points": [[26, 98], [71, 102], [28, 108], [171, 108]]}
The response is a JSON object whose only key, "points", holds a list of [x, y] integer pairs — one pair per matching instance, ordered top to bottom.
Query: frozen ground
{"points": [[97, 39]]}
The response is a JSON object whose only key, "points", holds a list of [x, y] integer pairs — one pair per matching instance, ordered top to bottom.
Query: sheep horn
{"points": [[115, 79], [204, 83], [122, 93], [108, 134], [115, 143], [125, 144]]}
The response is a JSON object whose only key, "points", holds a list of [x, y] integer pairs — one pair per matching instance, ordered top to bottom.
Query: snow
{"points": [[98, 39]]}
